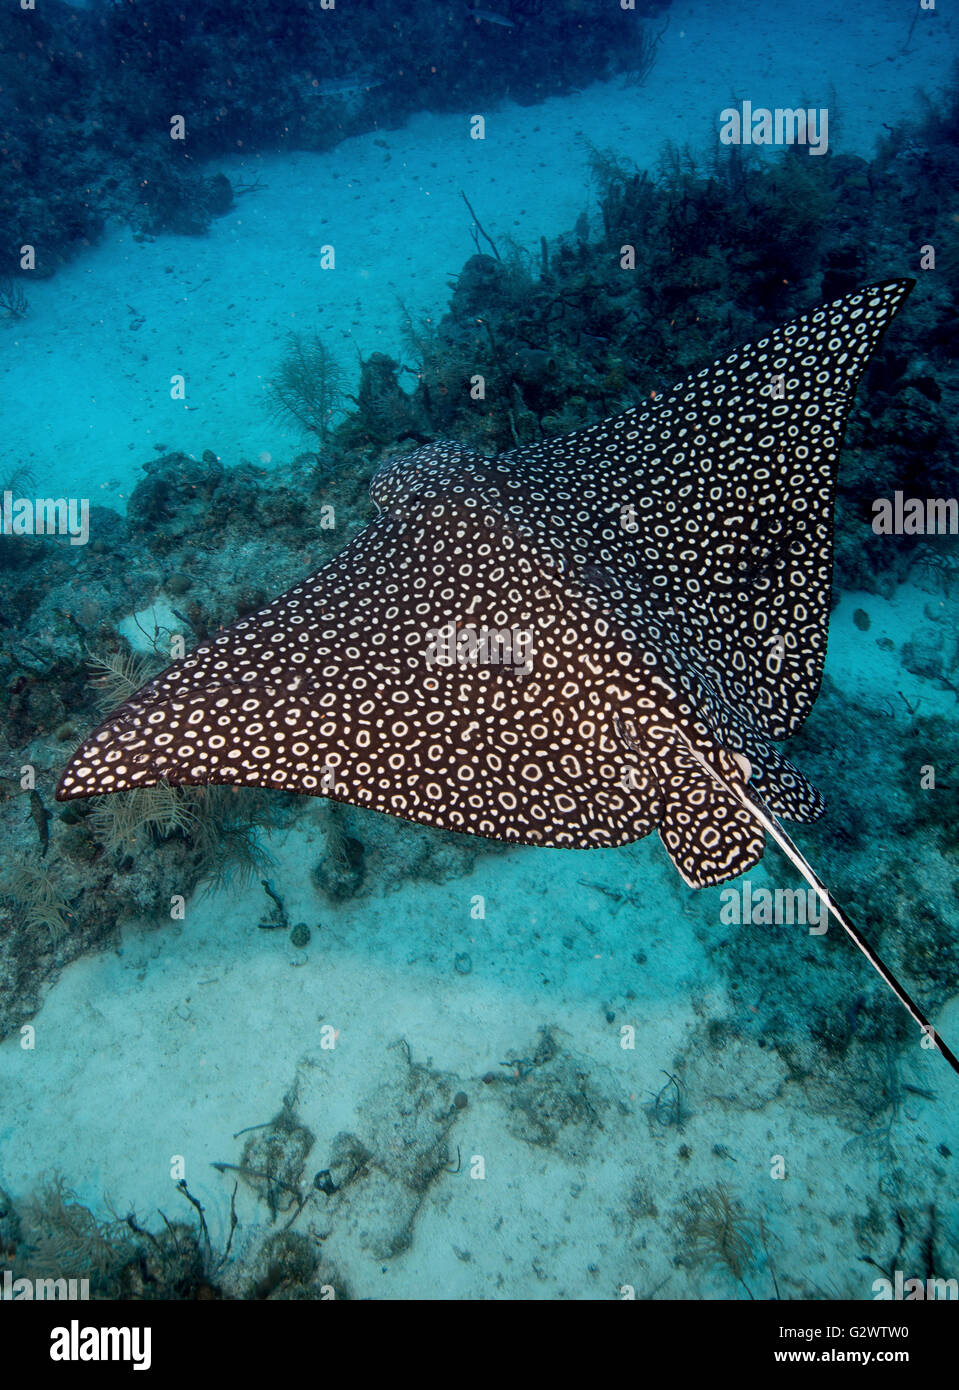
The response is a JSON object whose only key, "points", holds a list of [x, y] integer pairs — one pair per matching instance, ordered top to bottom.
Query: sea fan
{"points": [[13, 301], [307, 385], [117, 675], [127, 821], [227, 836], [34, 890], [720, 1233], [67, 1240]]}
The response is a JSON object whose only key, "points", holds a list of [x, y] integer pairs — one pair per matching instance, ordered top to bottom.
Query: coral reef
{"points": [[94, 87], [722, 250], [340, 872], [32, 886], [273, 1160], [377, 1185], [55, 1236], [61, 1238], [65, 1238], [290, 1266]]}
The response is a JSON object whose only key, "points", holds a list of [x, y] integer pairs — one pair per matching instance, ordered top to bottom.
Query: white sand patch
{"points": [[150, 629], [868, 663]]}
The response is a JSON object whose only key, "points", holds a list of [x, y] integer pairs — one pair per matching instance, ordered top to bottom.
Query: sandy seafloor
{"points": [[197, 1029], [193, 1031]]}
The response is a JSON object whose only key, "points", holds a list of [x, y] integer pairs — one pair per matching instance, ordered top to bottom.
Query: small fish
{"points": [[491, 17], [345, 86], [40, 817]]}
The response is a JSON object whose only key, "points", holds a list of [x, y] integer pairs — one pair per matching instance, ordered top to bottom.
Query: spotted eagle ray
{"points": [[667, 573]]}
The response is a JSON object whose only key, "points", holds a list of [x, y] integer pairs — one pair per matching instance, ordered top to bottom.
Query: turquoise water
{"points": [[414, 1064]]}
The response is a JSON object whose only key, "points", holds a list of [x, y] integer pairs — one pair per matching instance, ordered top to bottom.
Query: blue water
{"points": [[477, 1072]]}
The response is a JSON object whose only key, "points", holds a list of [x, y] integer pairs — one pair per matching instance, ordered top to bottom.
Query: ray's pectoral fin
{"points": [[708, 832]]}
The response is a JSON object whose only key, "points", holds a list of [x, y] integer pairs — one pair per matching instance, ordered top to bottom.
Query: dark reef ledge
{"points": [[87, 95]]}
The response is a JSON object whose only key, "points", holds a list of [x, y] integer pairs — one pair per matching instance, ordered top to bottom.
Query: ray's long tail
{"points": [[773, 827]]}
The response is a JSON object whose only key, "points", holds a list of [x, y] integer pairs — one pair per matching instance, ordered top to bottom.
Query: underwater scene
{"points": [[479, 650]]}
